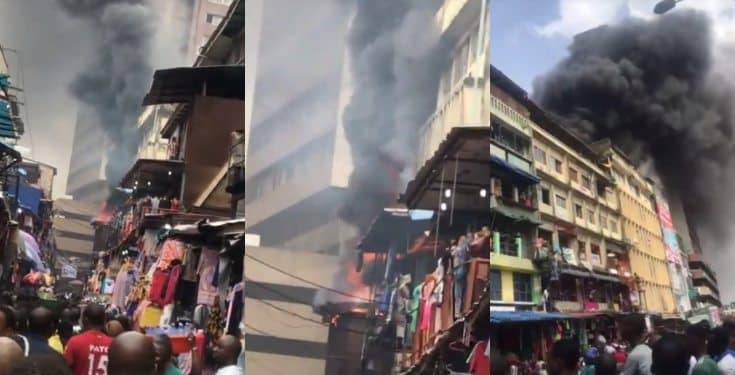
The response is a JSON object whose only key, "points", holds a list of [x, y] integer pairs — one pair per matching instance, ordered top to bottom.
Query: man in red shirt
{"points": [[87, 353]]}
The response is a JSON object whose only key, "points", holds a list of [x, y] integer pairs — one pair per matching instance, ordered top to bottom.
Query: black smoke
{"points": [[396, 61], [115, 81], [650, 87]]}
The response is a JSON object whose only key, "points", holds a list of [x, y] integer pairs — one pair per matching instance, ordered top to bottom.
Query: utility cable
{"points": [[307, 281]]}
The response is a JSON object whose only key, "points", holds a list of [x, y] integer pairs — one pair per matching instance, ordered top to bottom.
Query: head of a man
{"points": [[93, 317], [7, 321], [42, 322], [633, 328], [696, 339], [718, 341], [162, 345], [226, 349], [131, 353], [10, 354], [670, 356], [564, 357], [606, 365]]}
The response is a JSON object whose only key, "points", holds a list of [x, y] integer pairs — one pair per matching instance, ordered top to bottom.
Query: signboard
{"points": [[673, 251], [569, 256], [68, 272]]}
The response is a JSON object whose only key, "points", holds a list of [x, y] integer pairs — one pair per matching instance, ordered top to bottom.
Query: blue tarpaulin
{"points": [[531, 179], [29, 198], [524, 316]]}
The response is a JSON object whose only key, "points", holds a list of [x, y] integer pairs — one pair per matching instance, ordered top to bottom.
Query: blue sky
{"points": [[516, 47]]}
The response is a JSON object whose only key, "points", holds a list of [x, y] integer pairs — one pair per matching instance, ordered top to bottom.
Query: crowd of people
{"points": [[37, 341], [701, 350]]}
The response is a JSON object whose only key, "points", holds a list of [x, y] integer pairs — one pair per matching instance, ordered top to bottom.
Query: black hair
{"points": [[95, 314], [10, 319], [41, 321], [124, 322], [636, 323], [700, 330], [719, 339], [567, 351], [670, 356], [606, 365]]}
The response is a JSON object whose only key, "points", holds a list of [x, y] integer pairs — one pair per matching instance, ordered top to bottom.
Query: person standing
{"points": [[41, 326], [633, 330], [696, 339], [225, 352], [86, 353], [131, 353], [669, 355], [164, 356], [564, 358], [726, 362]]}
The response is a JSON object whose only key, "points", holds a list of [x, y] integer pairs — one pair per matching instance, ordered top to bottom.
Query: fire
{"points": [[103, 216], [358, 291]]}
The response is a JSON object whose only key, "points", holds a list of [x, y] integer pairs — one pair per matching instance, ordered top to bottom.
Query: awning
{"points": [[180, 85], [464, 154], [512, 169], [153, 175], [29, 197], [517, 214], [393, 225], [615, 246], [587, 274], [524, 317]]}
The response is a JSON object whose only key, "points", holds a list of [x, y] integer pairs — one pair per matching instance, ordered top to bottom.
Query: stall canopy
{"points": [[180, 85], [461, 163], [29, 197], [524, 316]]}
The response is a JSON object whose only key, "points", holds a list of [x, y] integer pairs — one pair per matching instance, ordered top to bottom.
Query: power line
{"points": [[307, 281], [306, 318]]}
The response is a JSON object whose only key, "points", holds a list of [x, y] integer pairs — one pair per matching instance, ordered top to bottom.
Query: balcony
{"points": [[461, 109], [510, 116], [699, 277]]}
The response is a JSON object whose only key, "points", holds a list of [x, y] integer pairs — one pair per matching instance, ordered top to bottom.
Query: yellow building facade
{"points": [[641, 227]]}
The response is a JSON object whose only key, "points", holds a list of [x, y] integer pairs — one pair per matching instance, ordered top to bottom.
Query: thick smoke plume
{"points": [[396, 62], [114, 83], [650, 87]]}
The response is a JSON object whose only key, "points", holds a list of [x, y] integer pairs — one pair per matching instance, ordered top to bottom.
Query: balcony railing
{"points": [[461, 108], [510, 116]]}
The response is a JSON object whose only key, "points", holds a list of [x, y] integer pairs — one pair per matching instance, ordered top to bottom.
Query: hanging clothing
{"points": [[150, 241], [172, 250], [190, 263], [206, 270], [119, 291], [427, 304], [414, 308], [234, 310], [216, 321], [479, 362]]}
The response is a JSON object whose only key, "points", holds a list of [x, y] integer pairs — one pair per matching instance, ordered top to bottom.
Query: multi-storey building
{"points": [[206, 16], [87, 178], [295, 183], [642, 228], [676, 257]]}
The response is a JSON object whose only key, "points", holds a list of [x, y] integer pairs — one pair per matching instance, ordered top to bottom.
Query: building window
{"points": [[213, 19], [510, 139], [539, 154], [557, 165], [572, 174], [587, 182], [545, 196], [561, 202], [578, 210], [591, 216], [603, 220], [581, 250], [596, 256], [496, 286], [522, 287]]}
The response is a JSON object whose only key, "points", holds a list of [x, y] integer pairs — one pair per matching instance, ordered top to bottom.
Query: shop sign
{"points": [[673, 251], [569, 256], [68, 272], [568, 306], [591, 306]]}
